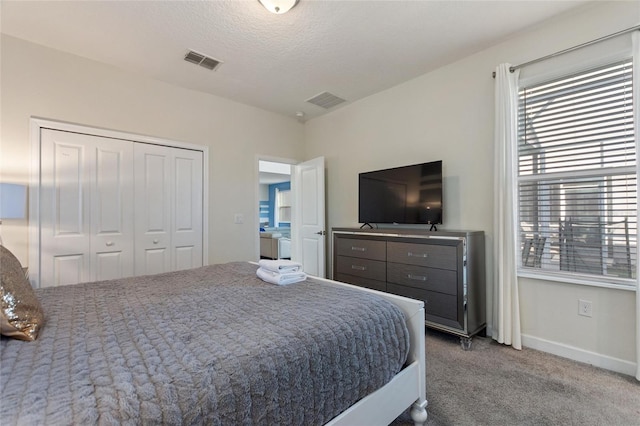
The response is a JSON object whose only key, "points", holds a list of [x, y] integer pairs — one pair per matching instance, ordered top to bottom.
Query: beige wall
{"points": [[37, 81], [447, 114]]}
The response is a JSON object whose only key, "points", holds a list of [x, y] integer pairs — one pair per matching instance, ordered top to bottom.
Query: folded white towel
{"points": [[280, 265], [280, 278]]}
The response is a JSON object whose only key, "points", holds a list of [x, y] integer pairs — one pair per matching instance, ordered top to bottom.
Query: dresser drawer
{"points": [[367, 249], [433, 255], [365, 268], [440, 280], [360, 281], [436, 304]]}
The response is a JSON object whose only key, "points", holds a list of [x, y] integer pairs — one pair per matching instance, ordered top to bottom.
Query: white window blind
{"points": [[577, 175]]}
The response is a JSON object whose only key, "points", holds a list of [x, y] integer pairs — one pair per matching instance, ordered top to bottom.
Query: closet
{"points": [[111, 208]]}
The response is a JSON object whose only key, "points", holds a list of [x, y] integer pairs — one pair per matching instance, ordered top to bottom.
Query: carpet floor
{"points": [[494, 384]]}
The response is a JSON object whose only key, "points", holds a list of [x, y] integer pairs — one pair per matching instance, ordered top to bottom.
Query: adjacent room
{"points": [[463, 172], [274, 209]]}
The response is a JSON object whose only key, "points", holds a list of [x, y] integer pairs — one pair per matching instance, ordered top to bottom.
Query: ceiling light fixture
{"points": [[278, 6]]}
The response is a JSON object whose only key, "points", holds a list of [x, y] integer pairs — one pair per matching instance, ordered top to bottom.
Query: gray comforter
{"points": [[213, 345]]}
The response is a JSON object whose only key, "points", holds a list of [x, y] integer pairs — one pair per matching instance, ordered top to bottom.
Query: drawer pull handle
{"points": [[358, 248], [423, 255], [359, 268], [417, 277]]}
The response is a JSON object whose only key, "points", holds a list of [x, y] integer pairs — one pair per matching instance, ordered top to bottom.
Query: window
{"points": [[577, 176]]}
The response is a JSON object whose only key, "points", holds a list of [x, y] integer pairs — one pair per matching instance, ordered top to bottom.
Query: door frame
{"points": [[36, 124], [296, 228]]}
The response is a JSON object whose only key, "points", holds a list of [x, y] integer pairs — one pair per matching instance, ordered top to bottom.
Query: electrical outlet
{"points": [[238, 218], [585, 308]]}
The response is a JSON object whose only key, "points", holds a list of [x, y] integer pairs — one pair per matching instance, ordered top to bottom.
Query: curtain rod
{"points": [[571, 49]]}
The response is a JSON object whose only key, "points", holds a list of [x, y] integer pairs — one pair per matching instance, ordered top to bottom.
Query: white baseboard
{"points": [[580, 355]]}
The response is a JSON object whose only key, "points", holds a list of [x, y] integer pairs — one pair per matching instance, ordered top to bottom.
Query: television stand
{"points": [[366, 224], [433, 227]]}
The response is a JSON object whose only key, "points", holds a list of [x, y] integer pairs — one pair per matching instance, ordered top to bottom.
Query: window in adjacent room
{"points": [[577, 176]]}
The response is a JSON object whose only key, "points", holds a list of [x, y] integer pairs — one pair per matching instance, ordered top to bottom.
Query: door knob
{"points": [[321, 233], [155, 241], [109, 243]]}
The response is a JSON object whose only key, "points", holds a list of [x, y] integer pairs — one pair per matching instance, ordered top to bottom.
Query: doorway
{"points": [[274, 209], [294, 214]]}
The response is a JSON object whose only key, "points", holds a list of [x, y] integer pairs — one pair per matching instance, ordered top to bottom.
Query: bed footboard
{"points": [[408, 388]]}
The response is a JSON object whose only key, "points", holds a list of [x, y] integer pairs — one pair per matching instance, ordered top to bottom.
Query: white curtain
{"points": [[636, 103], [506, 307]]}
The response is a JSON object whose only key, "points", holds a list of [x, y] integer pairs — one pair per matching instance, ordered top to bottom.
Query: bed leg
{"points": [[419, 413]]}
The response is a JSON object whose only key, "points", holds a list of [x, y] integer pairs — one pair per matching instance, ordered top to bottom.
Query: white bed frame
{"points": [[408, 388]]}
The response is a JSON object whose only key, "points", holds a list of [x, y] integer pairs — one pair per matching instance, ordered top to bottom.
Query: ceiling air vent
{"points": [[202, 60], [325, 100]]}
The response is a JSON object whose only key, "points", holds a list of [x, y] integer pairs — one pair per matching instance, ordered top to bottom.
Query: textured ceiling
{"points": [[351, 49]]}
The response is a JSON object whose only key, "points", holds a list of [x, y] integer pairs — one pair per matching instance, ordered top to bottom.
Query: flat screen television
{"points": [[403, 195]]}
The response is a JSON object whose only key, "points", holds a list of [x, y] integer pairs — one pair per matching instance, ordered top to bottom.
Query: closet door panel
{"points": [[184, 169], [153, 170], [156, 181], [69, 192], [187, 209], [64, 211], [112, 211], [185, 258], [156, 260], [109, 266], [68, 269]]}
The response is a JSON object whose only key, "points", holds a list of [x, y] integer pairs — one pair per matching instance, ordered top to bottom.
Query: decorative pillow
{"points": [[22, 315]]}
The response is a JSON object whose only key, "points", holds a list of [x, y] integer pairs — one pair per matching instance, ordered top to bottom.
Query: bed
{"points": [[216, 345]]}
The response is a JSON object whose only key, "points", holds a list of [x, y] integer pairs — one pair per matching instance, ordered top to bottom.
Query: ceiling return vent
{"points": [[202, 60], [325, 100]]}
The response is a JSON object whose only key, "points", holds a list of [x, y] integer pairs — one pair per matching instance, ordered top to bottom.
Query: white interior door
{"points": [[168, 204], [85, 208], [153, 209], [187, 209], [112, 211], [308, 226]]}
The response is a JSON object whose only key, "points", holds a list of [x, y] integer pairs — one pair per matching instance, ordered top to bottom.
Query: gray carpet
{"points": [[496, 385]]}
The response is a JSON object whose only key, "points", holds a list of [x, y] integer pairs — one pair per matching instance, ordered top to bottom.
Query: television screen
{"points": [[409, 195]]}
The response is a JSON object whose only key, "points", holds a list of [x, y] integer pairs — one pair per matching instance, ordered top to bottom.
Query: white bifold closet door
{"points": [[168, 193], [86, 208], [112, 208]]}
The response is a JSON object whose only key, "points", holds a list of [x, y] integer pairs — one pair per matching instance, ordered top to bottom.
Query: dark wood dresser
{"points": [[444, 269]]}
